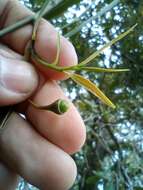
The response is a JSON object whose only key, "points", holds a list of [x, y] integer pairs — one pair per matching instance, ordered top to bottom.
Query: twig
{"points": [[25, 21], [17, 25]]}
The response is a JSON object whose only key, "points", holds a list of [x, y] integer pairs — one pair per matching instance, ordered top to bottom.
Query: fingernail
{"points": [[17, 76]]}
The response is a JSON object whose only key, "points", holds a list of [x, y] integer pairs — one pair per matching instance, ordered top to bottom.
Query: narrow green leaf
{"points": [[98, 52], [107, 70], [91, 87]]}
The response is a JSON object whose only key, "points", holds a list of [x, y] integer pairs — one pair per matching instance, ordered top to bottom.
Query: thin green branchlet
{"points": [[81, 66], [59, 106]]}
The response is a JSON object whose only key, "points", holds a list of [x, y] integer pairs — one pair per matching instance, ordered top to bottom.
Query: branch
{"points": [[26, 20], [17, 25]]}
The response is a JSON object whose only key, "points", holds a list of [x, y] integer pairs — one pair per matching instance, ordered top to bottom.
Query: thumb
{"points": [[18, 79]]}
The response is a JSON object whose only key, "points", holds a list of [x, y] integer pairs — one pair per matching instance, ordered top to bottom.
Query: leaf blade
{"points": [[95, 54], [107, 70], [91, 87]]}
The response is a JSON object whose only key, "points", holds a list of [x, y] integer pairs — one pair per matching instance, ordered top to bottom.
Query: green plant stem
{"points": [[38, 16], [26, 20], [17, 25], [51, 66], [80, 66], [75, 67]]}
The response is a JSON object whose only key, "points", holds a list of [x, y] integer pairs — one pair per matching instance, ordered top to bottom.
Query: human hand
{"points": [[37, 148]]}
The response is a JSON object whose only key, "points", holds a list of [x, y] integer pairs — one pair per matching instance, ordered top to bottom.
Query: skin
{"points": [[39, 148]]}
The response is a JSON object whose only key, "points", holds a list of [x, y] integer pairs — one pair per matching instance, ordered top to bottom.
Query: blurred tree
{"points": [[112, 158]]}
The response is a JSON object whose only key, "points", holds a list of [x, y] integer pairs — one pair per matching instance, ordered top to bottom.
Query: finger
{"points": [[46, 39], [9, 53], [18, 79], [66, 131], [37, 160], [8, 178]]}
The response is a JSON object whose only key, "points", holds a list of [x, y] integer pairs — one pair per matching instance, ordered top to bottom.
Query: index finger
{"points": [[46, 38]]}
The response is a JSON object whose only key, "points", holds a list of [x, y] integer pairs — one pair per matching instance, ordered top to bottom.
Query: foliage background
{"points": [[112, 158]]}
